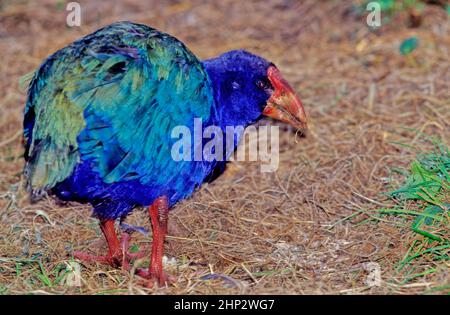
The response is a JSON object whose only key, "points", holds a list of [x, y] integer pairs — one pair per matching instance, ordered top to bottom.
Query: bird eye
{"points": [[263, 84], [235, 85]]}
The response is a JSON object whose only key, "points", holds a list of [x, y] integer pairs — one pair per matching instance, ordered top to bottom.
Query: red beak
{"points": [[284, 104]]}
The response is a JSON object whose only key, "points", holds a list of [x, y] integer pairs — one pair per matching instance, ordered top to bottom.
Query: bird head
{"points": [[248, 87]]}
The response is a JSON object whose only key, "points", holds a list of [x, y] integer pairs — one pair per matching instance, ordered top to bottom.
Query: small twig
{"points": [[11, 139], [249, 273]]}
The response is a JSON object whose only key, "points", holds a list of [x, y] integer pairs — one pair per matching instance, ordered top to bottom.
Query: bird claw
{"points": [[120, 259], [104, 260], [161, 279]]}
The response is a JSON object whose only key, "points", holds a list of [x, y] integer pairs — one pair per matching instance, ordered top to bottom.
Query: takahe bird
{"points": [[99, 115]]}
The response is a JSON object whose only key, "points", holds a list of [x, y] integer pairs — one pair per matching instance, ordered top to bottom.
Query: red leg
{"points": [[159, 213], [115, 252], [114, 255], [118, 255]]}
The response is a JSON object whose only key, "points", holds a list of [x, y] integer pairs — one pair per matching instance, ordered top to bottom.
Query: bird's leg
{"points": [[159, 213], [115, 251], [118, 255], [114, 257]]}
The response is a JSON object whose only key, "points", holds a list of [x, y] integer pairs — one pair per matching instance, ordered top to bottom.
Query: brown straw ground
{"points": [[280, 232]]}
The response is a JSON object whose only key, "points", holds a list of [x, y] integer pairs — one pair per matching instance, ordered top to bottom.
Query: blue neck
{"points": [[214, 73], [224, 118]]}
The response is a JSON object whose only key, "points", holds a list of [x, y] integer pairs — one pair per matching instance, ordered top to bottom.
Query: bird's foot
{"points": [[121, 258], [115, 262], [123, 262], [154, 277]]}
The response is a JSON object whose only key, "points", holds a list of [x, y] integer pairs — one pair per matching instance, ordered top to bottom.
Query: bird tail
{"points": [[40, 169]]}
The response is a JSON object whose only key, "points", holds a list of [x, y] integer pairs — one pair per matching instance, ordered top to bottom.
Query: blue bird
{"points": [[99, 121]]}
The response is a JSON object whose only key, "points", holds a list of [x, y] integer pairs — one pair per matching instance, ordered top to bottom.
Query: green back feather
{"points": [[112, 97]]}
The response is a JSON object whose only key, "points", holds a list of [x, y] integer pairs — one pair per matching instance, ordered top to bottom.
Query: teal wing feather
{"points": [[112, 98]]}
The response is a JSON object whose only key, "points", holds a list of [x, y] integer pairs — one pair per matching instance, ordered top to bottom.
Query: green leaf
{"points": [[60, 5], [387, 5], [409, 45], [421, 178], [426, 219], [134, 249]]}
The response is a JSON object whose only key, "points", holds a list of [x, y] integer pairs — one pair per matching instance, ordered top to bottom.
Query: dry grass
{"points": [[265, 232]]}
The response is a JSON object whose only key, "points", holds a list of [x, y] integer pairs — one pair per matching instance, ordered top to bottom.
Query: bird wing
{"points": [[112, 98]]}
